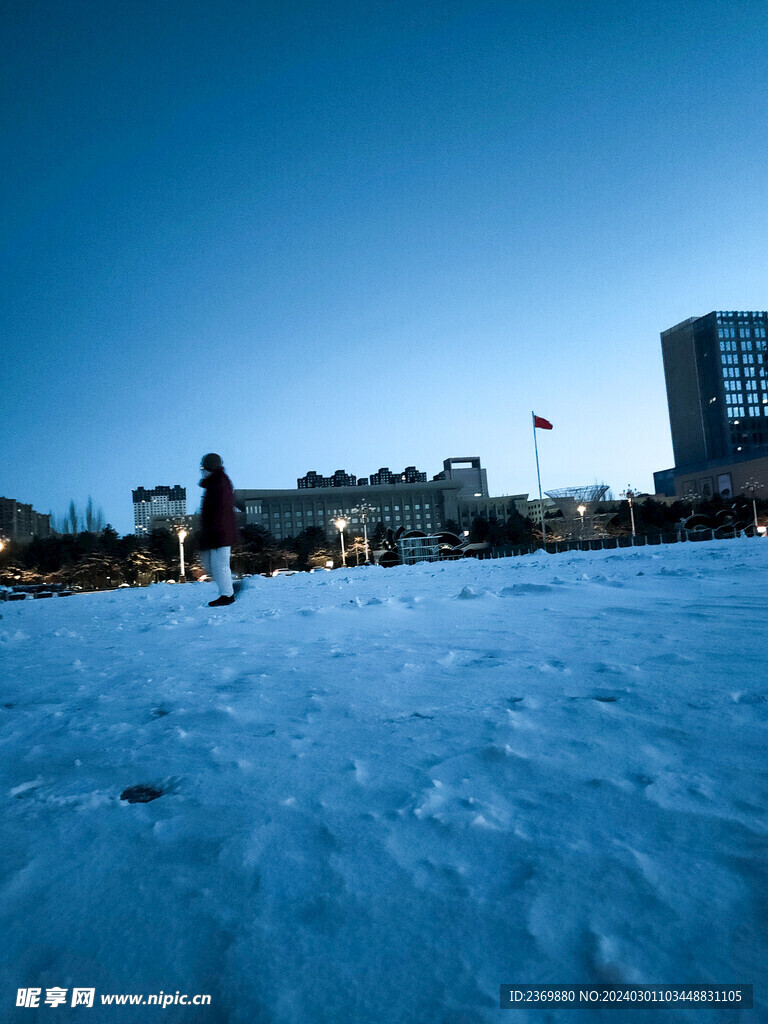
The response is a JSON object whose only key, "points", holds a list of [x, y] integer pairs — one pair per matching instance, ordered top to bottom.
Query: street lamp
{"points": [[753, 485], [629, 495], [581, 509], [362, 511], [340, 524], [182, 534]]}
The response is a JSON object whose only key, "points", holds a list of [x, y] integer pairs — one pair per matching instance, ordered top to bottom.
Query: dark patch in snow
{"points": [[605, 698], [160, 712], [644, 780], [140, 794]]}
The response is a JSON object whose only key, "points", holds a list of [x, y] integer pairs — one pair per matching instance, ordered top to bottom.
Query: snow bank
{"points": [[386, 792]]}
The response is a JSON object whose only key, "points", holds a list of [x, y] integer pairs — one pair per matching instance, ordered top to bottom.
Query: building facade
{"points": [[716, 373], [717, 387], [469, 473], [454, 498], [162, 502], [286, 513], [21, 522]]}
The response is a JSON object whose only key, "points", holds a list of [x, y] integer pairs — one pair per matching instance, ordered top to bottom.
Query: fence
{"points": [[603, 543]]}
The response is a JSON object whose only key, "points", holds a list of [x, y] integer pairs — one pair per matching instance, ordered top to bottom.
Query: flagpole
{"points": [[538, 476]]}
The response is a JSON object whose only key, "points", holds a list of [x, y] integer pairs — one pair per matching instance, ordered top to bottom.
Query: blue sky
{"points": [[349, 235]]}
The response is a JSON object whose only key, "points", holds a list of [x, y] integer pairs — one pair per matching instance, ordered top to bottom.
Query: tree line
{"points": [[99, 559]]}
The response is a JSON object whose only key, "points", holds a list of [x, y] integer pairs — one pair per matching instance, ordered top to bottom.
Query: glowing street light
{"points": [[581, 509], [340, 525], [182, 535]]}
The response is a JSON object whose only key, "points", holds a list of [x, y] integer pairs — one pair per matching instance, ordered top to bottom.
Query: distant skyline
{"points": [[352, 235]]}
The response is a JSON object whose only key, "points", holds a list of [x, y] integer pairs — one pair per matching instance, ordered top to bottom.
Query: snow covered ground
{"points": [[387, 792]]}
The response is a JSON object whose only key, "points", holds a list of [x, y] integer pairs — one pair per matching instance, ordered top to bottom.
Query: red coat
{"points": [[218, 526]]}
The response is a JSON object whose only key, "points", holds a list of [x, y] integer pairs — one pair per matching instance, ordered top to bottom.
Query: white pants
{"points": [[216, 564]]}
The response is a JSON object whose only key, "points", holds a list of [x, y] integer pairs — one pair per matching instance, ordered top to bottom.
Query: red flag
{"points": [[541, 423]]}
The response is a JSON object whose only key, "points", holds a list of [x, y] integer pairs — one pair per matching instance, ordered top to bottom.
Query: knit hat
{"points": [[211, 461]]}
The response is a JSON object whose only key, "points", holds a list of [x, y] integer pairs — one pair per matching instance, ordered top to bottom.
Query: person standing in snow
{"points": [[218, 527]]}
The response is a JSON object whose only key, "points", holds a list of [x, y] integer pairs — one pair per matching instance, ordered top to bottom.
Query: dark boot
{"points": [[221, 601]]}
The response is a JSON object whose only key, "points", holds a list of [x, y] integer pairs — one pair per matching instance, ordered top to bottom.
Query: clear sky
{"points": [[354, 234]]}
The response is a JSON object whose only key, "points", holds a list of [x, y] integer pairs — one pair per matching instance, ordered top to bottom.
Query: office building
{"points": [[717, 392], [456, 496], [161, 502], [21, 522]]}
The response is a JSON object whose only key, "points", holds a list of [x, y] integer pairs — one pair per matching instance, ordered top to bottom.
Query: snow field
{"points": [[386, 792]]}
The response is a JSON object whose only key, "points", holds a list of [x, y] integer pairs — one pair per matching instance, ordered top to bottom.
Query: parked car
{"points": [[285, 572]]}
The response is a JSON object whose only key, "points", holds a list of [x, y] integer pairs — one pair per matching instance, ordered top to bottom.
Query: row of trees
{"points": [[651, 518], [76, 521], [96, 560]]}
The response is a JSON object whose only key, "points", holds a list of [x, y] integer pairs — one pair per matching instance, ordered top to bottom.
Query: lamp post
{"points": [[753, 485], [629, 495], [693, 497], [581, 509], [362, 511], [340, 524], [182, 535]]}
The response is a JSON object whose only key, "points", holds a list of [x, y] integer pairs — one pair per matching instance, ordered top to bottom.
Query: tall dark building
{"points": [[717, 389]]}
